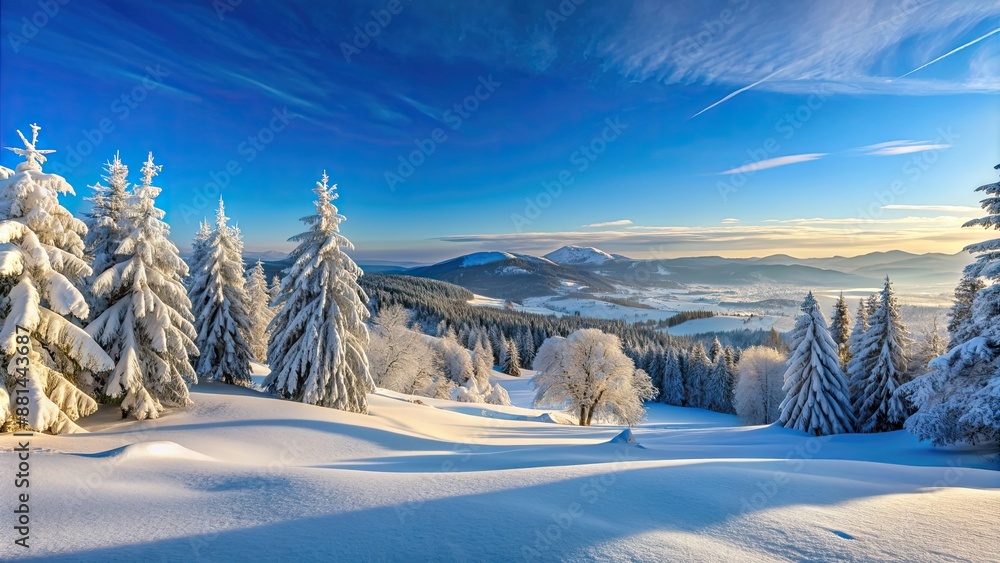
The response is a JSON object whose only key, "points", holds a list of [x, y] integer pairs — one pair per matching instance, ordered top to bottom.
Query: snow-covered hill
{"points": [[577, 255], [244, 476]]}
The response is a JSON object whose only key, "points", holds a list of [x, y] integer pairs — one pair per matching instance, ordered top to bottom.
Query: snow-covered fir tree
{"points": [[104, 229], [199, 249], [42, 266], [274, 288], [219, 302], [259, 311], [960, 325], [147, 326], [840, 329], [318, 338], [931, 346], [862, 358], [511, 359], [696, 372], [588, 374], [672, 383], [759, 384], [718, 388], [817, 399], [958, 400], [876, 406]]}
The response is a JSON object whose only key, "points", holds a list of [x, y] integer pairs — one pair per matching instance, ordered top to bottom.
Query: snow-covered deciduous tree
{"points": [[42, 266], [219, 303], [259, 311], [146, 325], [840, 329], [318, 337], [932, 345], [511, 358], [401, 359], [587, 373], [759, 382], [817, 399], [958, 400], [876, 406]]}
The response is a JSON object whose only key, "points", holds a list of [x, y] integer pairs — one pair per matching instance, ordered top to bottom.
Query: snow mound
{"points": [[579, 255], [480, 258], [624, 437], [151, 450]]}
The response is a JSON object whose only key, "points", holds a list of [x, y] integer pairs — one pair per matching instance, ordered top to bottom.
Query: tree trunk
{"points": [[593, 406], [583, 415]]}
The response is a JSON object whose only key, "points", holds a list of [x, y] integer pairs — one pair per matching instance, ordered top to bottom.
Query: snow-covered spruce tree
{"points": [[104, 230], [199, 250], [41, 268], [274, 289], [219, 303], [259, 311], [960, 325], [146, 326], [840, 329], [318, 338], [931, 346], [512, 359], [862, 359], [696, 372], [588, 373], [759, 384], [718, 387], [672, 391], [816, 400], [958, 400], [876, 407]]}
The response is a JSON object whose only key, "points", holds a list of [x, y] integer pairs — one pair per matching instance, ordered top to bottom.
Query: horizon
{"points": [[659, 130]]}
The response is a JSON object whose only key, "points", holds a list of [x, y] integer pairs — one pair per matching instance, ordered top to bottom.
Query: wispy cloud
{"points": [[838, 47], [952, 52], [894, 148], [775, 162], [945, 208], [730, 221], [619, 223], [816, 237]]}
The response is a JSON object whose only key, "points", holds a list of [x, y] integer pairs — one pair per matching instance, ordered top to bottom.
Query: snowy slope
{"points": [[576, 255], [245, 476]]}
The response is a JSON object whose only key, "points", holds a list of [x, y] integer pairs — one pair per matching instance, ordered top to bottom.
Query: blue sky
{"points": [[837, 141]]}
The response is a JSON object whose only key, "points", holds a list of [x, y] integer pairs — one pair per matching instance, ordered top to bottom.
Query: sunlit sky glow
{"points": [[650, 128]]}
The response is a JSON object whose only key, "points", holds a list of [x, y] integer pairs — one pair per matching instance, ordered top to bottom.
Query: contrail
{"points": [[952, 52], [740, 91]]}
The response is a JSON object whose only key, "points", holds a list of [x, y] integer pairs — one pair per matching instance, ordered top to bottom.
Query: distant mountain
{"points": [[579, 255], [573, 269], [507, 275]]}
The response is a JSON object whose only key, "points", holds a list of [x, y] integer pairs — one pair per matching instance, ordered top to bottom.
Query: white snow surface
{"points": [[579, 255], [480, 258], [241, 475]]}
